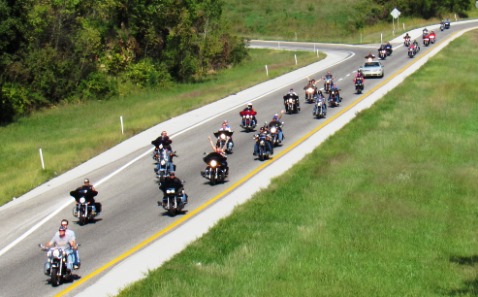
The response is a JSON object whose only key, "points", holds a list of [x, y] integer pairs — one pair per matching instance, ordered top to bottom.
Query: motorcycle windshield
{"points": [[225, 132], [213, 156]]}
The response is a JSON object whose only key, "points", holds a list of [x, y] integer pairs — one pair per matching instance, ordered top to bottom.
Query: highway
{"points": [[128, 187]]}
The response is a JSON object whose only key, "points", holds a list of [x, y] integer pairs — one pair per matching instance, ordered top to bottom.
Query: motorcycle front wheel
{"points": [[55, 279]]}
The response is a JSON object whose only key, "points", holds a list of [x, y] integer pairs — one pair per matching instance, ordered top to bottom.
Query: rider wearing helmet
{"points": [[359, 74], [250, 112], [67, 243]]}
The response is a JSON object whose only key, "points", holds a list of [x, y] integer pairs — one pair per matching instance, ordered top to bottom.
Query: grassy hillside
{"points": [[314, 20], [386, 207]]}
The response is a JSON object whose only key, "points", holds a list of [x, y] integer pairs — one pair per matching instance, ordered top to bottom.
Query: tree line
{"points": [[67, 50]]}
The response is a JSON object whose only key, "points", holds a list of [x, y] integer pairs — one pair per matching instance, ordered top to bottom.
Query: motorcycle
{"points": [[447, 24], [442, 27], [432, 37], [426, 40], [407, 42], [388, 48], [411, 52], [382, 54], [327, 84], [359, 85], [310, 91], [334, 98], [291, 103], [320, 108], [249, 123], [274, 128], [224, 140], [264, 152], [162, 168], [214, 171], [172, 202], [84, 210], [55, 267]]}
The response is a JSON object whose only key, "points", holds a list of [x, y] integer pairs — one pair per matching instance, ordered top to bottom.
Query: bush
{"points": [[145, 73], [98, 85]]}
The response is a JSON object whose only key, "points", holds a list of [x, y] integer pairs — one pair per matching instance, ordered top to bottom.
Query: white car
{"points": [[372, 68]]}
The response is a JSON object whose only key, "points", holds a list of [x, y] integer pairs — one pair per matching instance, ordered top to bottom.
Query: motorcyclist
{"points": [[425, 32], [415, 45], [389, 48], [370, 57], [359, 75], [310, 84], [335, 88], [291, 94], [320, 99], [250, 112], [276, 122], [225, 127], [265, 135], [164, 140], [220, 155], [173, 182], [89, 192], [67, 243], [76, 263]]}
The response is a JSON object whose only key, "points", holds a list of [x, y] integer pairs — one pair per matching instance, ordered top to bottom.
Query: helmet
{"points": [[359, 71], [291, 90], [249, 104], [275, 117], [225, 122], [172, 174], [86, 181], [61, 228]]}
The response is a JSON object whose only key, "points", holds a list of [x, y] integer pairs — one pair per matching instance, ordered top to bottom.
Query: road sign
{"points": [[395, 13]]}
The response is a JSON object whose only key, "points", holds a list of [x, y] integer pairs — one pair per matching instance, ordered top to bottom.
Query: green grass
{"points": [[314, 21], [69, 135], [386, 207]]}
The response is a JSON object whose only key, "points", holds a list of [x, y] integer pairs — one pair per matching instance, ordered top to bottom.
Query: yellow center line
{"points": [[241, 181]]}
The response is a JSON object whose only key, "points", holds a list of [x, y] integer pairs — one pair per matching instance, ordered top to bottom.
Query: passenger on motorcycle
{"points": [[250, 112], [263, 134], [173, 182], [89, 192], [64, 223], [67, 243]]}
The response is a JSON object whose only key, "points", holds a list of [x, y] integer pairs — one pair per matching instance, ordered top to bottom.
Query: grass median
{"points": [[70, 135], [386, 207]]}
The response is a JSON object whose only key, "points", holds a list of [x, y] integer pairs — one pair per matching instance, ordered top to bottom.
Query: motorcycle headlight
{"points": [[310, 90], [291, 100], [273, 130], [222, 136], [262, 143], [163, 162], [213, 163], [170, 191], [82, 200], [56, 253]]}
